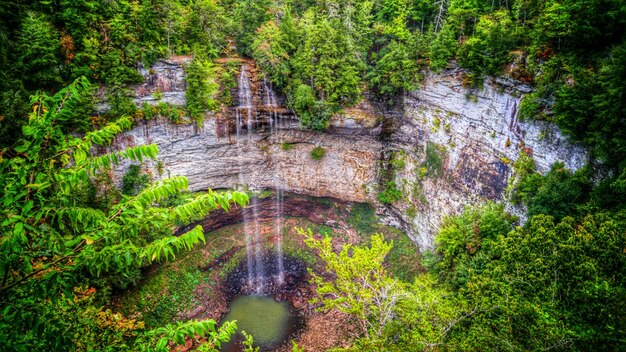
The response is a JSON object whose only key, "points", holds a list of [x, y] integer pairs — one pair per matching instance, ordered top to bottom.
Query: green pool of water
{"points": [[268, 321]]}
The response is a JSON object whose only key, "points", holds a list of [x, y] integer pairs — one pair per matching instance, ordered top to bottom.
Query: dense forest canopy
{"points": [[325, 54], [69, 237]]}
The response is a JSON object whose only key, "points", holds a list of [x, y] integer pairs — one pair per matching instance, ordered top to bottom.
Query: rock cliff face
{"points": [[445, 146], [454, 147], [267, 149]]}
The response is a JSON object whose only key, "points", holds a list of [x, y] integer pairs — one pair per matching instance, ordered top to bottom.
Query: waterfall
{"points": [[245, 96], [270, 103], [246, 223], [251, 226], [257, 275]]}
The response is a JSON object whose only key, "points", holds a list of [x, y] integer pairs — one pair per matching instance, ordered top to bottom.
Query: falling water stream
{"points": [[245, 103], [270, 104], [254, 250], [270, 322]]}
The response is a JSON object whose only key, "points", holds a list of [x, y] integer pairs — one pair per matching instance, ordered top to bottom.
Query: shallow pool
{"points": [[268, 321]]}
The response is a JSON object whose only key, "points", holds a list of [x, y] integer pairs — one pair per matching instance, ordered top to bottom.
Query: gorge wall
{"points": [[455, 146], [445, 147], [268, 151]]}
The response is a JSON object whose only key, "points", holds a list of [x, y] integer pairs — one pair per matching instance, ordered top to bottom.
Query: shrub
{"points": [[314, 114], [318, 153], [434, 159], [390, 194]]}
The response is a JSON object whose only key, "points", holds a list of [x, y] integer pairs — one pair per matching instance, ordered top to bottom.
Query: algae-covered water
{"points": [[268, 321]]}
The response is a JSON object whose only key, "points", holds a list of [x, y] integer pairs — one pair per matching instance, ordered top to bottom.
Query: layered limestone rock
{"points": [[445, 146], [455, 146], [260, 160]]}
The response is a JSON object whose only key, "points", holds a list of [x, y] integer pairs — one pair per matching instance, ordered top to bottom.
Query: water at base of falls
{"points": [[271, 318], [269, 322]]}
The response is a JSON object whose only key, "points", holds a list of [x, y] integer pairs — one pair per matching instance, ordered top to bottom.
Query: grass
{"points": [[434, 159], [165, 291]]}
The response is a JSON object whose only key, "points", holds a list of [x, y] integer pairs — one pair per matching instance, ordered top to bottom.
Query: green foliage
{"points": [[249, 15], [206, 29], [442, 48], [38, 50], [271, 50], [487, 50], [396, 70], [228, 81], [202, 88], [591, 107], [171, 112], [314, 114], [286, 146], [318, 153], [434, 159], [133, 181], [390, 193], [559, 193], [363, 218], [469, 239], [53, 242], [361, 281], [547, 284], [391, 315], [178, 332], [248, 343], [295, 347]]}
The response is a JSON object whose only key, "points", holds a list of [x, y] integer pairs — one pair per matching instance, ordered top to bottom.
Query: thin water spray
{"points": [[244, 101], [270, 104]]}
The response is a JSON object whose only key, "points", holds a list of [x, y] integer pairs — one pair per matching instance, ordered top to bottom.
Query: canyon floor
{"points": [[194, 285]]}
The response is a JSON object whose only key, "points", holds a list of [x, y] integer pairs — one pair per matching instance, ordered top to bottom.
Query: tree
{"points": [[249, 14], [206, 28], [488, 49], [269, 50], [37, 55], [396, 71], [202, 87], [53, 241], [548, 285], [361, 287], [392, 315]]}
